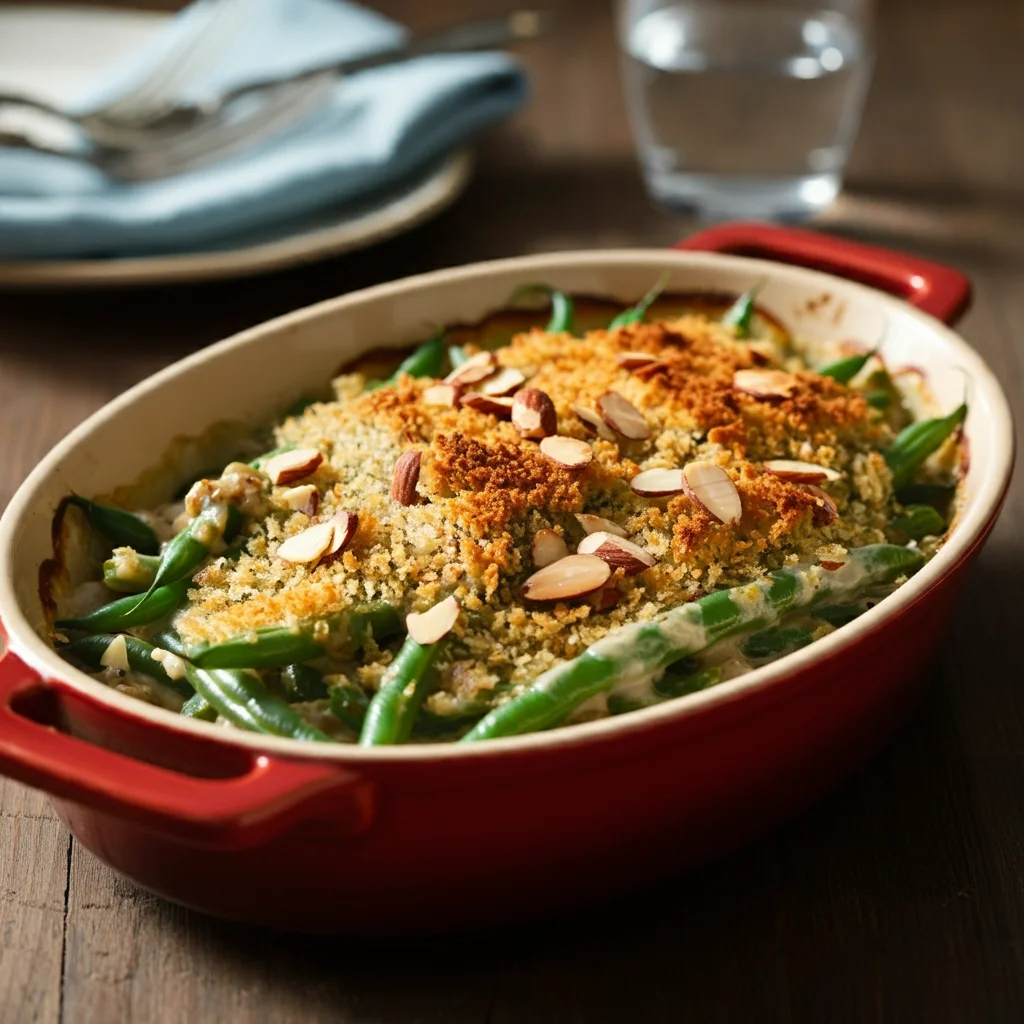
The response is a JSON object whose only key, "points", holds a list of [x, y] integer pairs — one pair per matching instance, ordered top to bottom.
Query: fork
{"points": [[116, 122], [188, 137]]}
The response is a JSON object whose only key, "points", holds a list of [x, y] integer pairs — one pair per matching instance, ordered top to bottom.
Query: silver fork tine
{"points": [[186, 59], [209, 142]]}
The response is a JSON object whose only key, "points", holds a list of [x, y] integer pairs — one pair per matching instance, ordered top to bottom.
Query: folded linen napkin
{"points": [[377, 127]]}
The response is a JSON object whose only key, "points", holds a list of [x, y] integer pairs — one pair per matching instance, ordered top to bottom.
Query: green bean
{"points": [[562, 310], [741, 313], [635, 314], [456, 356], [427, 360], [844, 370], [879, 399], [915, 443], [257, 463], [936, 495], [919, 521], [119, 527], [186, 551], [129, 572], [126, 612], [840, 614], [169, 640], [775, 641], [278, 646], [647, 648], [89, 650], [302, 683], [669, 686], [241, 698], [348, 704], [199, 707], [392, 712]]}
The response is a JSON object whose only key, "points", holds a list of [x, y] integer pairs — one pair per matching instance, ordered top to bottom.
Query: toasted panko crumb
{"points": [[484, 492]]}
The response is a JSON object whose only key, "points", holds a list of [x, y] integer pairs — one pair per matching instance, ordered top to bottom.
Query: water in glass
{"points": [[744, 108]]}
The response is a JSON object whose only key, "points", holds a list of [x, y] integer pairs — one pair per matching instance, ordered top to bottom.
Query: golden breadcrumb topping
{"points": [[484, 491]]}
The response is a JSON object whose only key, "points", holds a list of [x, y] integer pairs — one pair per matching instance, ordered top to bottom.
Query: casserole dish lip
{"points": [[977, 519]]}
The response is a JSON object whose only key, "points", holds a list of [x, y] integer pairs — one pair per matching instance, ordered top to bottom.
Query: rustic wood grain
{"points": [[898, 898]]}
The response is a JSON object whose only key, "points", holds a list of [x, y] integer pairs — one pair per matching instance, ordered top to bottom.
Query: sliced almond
{"points": [[634, 360], [650, 369], [473, 370], [504, 382], [765, 383], [442, 395], [488, 404], [533, 413], [623, 416], [593, 422], [567, 451], [288, 467], [799, 472], [405, 477], [658, 483], [712, 488], [304, 498], [825, 511], [596, 524], [345, 525], [307, 546], [547, 547], [618, 552], [831, 566], [569, 577], [435, 623], [116, 654]]}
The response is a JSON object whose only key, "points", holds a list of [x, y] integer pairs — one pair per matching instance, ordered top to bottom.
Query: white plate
{"points": [[50, 52]]}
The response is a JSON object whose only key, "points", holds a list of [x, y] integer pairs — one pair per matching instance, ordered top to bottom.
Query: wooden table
{"points": [[898, 898]]}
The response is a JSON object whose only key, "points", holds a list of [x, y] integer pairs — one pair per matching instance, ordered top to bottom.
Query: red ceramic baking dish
{"points": [[334, 837]]}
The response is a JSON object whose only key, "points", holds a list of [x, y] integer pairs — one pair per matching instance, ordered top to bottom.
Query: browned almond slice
{"points": [[761, 352], [634, 360], [650, 369], [473, 370], [504, 382], [765, 383], [443, 395], [488, 404], [533, 413], [623, 416], [593, 422], [568, 451], [288, 467], [799, 472], [406, 476], [658, 483], [712, 488], [303, 498], [825, 511], [345, 524], [595, 524], [307, 546], [547, 547], [618, 552], [569, 577], [435, 623]]}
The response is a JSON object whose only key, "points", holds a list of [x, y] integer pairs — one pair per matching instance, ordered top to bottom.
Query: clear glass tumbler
{"points": [[745, 108]]}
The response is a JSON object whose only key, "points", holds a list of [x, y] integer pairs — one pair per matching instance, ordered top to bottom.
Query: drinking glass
{"points": [[745, 108]]}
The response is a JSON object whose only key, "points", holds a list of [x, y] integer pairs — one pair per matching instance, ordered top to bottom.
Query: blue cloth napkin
{"points": [[377, 127]]}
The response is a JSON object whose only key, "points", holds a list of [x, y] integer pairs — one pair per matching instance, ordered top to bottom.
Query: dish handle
{"points": [[935, 288], [249, 796]]}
